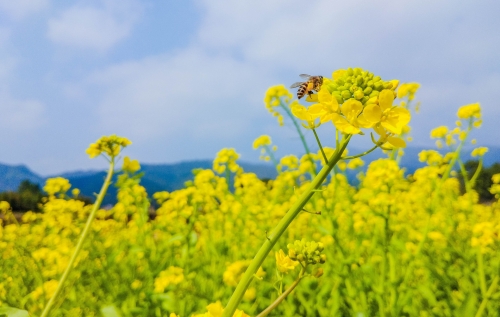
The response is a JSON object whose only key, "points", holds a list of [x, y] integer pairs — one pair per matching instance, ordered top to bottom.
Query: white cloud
{"points": [[18, 9], [95, 28], [186, 94], [20, 115]]}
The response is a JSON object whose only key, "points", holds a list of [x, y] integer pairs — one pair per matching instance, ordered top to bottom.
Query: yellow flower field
{"points": [[394, 245]]}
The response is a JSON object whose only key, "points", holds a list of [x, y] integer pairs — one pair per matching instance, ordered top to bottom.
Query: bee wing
{"points": [[305, 76], [297, 84]]}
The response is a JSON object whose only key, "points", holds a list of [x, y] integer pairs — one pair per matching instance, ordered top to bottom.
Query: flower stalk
{"points": [[281, 227], [81, 240]]}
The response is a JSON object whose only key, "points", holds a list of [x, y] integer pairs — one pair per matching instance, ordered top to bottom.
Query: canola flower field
{"points": [[304, 244]]}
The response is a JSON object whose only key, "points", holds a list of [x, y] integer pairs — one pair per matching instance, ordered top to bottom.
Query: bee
{"points": [[306, 87]]}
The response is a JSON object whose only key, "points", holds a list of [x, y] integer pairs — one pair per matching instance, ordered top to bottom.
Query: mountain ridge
{"points": [[170, 177]]}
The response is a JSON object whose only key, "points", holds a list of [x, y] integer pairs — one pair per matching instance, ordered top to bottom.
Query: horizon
{"points": [[490, 158]]}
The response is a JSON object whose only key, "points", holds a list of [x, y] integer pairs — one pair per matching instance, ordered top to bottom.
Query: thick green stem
{"points": [[280, 228], [81, 240], [278, 300]]}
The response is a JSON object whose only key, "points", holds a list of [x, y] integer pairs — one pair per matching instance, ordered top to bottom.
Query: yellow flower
{"points": [[338, 73], [408, 89], [274, 97], [327, 106], [469, 111], [305, 114], [390, 117], [350, 123], [439, 132], [262, 140], [111, 145], [480, 151], [130, 166], [56, 185], [4, 206], [284, 263], [234, 271], [173, 275], [216, 310]]}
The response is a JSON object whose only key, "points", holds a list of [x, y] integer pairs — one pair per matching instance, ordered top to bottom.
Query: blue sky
{"points": [[183, 79]]}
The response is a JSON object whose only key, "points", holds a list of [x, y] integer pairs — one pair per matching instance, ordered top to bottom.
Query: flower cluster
{"points": [[277, 96], [355, 99], [111, 145], [226, 160], [307, 252]]}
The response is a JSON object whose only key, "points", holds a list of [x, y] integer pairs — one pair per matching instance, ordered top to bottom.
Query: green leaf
{"points": [[110, 311], [13, 312]]}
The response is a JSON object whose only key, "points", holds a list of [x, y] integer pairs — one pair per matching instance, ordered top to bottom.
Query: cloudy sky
{"points": [[183, 79]]}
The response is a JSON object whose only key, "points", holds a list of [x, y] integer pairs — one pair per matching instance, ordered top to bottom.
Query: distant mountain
{"points": [[12, 175], [169, 177]]}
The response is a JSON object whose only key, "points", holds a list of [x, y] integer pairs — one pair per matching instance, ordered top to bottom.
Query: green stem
{"points": [[320, 146], [360, 154], [271, 155], [478, 171], [447, 172], [465, 176], [280, 228], [81, 240], [480, 272], [278, 300], [484, 302]]}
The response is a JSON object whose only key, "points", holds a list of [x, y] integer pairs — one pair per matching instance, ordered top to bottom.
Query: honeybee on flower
{"points": [[306, 87]]}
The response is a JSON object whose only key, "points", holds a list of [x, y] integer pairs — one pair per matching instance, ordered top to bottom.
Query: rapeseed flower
{"points": [[470, 111], [306, 115], [386, 115], [111, 145], [480, 151], [130, 166], [283, 263]]}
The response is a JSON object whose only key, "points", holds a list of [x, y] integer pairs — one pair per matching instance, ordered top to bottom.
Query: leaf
{"points": [[110, 311], [13, 312]]}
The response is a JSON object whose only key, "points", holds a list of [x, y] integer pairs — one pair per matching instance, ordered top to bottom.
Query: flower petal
{"points": [[385, 99], [372, 113], [343, 125], [396, 142]]}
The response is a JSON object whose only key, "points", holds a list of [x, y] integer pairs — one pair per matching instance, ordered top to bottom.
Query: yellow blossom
{"points": [[408, 89], [327, 106], [469, 111], [305, 114], [391, 118], [349, 123], [439, 132], [262, 141], [480, 151], [130, 166], [284, 263], [171, 276]]}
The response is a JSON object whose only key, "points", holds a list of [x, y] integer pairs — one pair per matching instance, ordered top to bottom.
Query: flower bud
{"points": [[346, 94], [358, 94], [319, 272]]}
